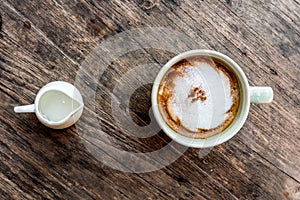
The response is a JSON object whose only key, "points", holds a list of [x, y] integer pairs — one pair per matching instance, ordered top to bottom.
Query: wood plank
{"points": [[51, 42], [29, 139]]}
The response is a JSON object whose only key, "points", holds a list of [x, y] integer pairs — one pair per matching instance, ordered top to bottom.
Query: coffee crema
{"points": [[198, 96]]}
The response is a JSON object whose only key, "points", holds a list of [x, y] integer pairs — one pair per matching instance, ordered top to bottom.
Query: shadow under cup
{"points": [[240, 116]]}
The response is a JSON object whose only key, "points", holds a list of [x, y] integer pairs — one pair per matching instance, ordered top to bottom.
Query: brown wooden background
{"points": [[43, 41]]}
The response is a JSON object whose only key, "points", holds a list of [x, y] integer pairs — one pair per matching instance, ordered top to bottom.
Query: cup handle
{"points": [[261, 94], [25, 109]]}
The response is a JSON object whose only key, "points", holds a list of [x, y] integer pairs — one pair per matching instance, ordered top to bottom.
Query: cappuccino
{"points": [[199, 96]]}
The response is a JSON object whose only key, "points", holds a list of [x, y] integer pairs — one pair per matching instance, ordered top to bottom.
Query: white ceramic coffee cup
{"points": [[247, 95]]}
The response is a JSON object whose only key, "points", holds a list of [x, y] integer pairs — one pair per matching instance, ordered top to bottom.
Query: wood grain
{"points": [[42, 41]]}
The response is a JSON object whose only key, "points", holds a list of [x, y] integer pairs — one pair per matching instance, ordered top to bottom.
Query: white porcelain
{"points": [[58, 86], [248, 94]]}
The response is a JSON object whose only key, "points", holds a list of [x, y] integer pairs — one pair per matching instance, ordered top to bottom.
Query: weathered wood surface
{"points": [[42, 41]]}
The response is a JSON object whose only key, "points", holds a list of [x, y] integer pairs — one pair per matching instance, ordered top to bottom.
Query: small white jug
{"points": [[57, 105]]}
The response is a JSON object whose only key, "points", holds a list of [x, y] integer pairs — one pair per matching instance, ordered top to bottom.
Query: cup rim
{"points": [[238, 121]]}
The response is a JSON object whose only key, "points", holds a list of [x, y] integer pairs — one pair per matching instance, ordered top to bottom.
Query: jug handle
{"points": [[25, 109]]}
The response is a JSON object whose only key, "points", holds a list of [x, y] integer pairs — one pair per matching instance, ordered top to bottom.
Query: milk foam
{"points": [[202, 113]]}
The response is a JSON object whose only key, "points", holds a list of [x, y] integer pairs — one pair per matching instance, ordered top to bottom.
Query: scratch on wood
{"points": [[229, 2], [149, 4], [27, 24], [0, 25], [94, 26], [24, 31], [273, 71]]}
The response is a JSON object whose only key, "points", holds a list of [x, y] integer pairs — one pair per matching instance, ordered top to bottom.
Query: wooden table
{"points": [[103, 158]]}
